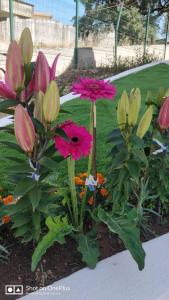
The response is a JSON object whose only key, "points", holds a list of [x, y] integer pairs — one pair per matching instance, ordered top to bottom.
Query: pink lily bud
{"points": [[26, 46], [42, 73], [14, 76], [163, 117], [24, 129]]}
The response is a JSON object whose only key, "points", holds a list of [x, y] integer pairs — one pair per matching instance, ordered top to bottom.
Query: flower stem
{"points": [[91, 162], [94, 167], [71, 174], [83, 205]]}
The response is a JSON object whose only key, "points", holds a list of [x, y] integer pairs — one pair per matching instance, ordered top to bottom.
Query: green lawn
{"points": [[150, 79]]}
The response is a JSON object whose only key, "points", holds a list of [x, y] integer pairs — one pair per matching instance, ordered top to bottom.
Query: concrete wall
{"points": [[25, 10]]}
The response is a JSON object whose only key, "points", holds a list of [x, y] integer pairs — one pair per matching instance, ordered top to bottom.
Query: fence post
{"points": [[11, 20], [116, 33], [146, 33], [76, 35], [166, 39]]}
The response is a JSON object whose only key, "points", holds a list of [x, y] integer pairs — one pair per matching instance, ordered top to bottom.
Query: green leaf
{"points": [[7, 103], [64, 111], [39, 126], [61, 133], [12, 145], [140, 155], [49, 163], [20, 168], [134, 168], [23, 187], [35, 197], [36, 219], [20, 220], [125, 227], [58, 228], [22, 230], [89, 248]]}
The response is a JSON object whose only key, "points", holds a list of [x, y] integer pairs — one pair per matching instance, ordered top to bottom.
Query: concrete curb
{"points": [[8, 120], [117, 278]]}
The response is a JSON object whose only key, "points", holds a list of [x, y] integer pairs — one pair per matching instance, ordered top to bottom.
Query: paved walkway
{"points": [[117, 278]]}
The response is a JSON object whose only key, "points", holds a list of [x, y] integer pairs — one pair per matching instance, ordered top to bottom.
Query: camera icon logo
{"points": [[13, 289]]}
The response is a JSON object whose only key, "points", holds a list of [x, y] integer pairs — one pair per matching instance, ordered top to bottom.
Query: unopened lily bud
{"points": [[26, 46], [14, 76], [51, 103], [135, 104], [38, 109], [123, 110], [163, 118], [145, 122], [24, 129]]}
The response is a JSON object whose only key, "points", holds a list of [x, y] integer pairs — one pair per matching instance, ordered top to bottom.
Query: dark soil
{"points": [[59, 261]]}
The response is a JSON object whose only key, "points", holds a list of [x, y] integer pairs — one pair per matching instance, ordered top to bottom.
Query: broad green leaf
{"points": [[7, 103], [64, 111], [61, 133], [12, 145], [49, 163], [20, 168], [134, 168], [23, 187], [35, 197], [36, 219], [20, 220], [125, 227], [58, 228], [22, 230], [89, 248]]}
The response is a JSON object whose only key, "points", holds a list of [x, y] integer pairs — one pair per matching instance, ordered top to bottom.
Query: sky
{"points": [[61, 10]]}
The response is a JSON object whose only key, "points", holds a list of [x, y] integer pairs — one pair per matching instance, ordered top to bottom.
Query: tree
{"points": [[157, 6], [101, 18]]}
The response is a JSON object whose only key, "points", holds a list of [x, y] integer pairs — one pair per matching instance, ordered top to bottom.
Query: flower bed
{"points": [[89, 212]]}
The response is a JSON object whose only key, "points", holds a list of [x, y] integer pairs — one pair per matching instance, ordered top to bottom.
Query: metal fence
{"points": [[50, 31]]}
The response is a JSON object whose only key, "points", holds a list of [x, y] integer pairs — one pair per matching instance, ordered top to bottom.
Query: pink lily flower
{"points": [[43, 73], [14, 75]]}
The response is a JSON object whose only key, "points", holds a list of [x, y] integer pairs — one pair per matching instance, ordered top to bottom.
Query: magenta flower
{"points": [[93, 89], [79, 143]]}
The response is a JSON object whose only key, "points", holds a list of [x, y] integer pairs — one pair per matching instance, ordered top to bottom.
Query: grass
{"points": [[150, 79]]}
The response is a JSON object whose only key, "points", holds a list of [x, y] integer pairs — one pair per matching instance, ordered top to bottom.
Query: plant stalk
{"points": [[71, 175]]}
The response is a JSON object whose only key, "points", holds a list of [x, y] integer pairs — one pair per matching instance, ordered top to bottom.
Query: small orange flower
{"points": [[83, 175], [100, 178], [79, 181], [104, 192], [81, 194], [8, 200], [91, 201], [6, 219]]}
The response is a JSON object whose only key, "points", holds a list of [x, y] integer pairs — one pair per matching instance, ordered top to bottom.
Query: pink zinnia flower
{"points": [[93, 89], [163, 118], [79, 143]]}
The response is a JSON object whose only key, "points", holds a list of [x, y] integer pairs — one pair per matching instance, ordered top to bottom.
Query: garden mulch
{"points": [[59, 261]]}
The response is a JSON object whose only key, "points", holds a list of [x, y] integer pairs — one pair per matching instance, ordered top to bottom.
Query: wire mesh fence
{"points": [[86, 37]]}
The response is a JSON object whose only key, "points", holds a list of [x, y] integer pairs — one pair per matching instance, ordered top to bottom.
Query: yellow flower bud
{"points": [[26, 46], [51, 103], [135, 104], [38, 109], [123, 110], [145, 122]]}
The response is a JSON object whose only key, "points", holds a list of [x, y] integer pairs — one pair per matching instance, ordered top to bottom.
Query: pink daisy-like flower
{"points": [[93, 89], [79, 143]]}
